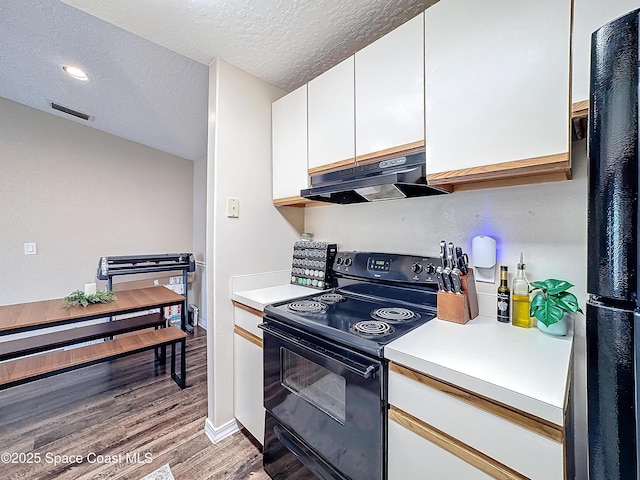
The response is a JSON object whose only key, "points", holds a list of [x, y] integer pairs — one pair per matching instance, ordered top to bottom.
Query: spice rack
{"points": [[311, 264]]}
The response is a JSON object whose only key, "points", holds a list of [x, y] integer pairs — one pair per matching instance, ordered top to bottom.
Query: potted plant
{"points": [[552, 304]]}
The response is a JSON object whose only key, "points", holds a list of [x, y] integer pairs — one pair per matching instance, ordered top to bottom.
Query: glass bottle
{"points": [[504, 295], [520, 298]]}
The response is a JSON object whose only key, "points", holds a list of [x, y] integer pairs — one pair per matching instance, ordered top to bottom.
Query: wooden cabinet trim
{"points": [[580, 109], [579, 115], [399, 151], [350, 162], [557, 163], [510, 182], [290, 202], [298, 202], [246, 308], [248, 336], [526, 420], [454, 446]]}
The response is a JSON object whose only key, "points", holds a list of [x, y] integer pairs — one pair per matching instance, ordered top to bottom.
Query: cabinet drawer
{"points": [[248, 319], [514, 439], [412, 456]]}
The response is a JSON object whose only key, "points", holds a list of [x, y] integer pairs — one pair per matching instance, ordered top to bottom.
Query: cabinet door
{"points": [[588, 16], [389, 79], [497, 89], [332, 118], [289, 127], [248, 396], [248, 403], [412, 457]]}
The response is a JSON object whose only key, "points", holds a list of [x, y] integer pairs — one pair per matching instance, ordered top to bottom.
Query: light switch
{"points": [[233, 207], [30, 248]]}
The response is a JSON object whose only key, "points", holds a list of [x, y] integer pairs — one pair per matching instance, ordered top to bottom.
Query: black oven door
{"points": [[329, 399]]}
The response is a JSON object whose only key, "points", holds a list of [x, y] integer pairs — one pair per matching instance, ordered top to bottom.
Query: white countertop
{"points": [[259, 297], [523, 368]]}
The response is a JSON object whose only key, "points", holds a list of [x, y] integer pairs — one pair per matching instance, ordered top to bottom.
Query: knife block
{"points": [[459, 307]]}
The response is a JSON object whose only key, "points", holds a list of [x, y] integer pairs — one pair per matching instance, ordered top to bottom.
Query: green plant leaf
{"points": [[538, 285], [555, 287], [568, 302], [537, 303], [546, 310], [549, 314]]}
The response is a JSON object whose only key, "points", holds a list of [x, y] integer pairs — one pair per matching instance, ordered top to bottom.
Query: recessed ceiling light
{"points": [[75, 72]]}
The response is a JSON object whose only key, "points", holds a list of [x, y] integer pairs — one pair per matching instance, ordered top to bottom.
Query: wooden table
{"points": [[48, 313], [23, 366]]}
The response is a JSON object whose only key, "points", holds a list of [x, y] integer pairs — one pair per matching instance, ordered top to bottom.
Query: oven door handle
{"points": [[364, 371]]}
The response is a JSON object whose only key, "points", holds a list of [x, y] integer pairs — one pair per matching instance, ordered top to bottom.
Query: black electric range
{"points": [[379, 298], [325, 375]]}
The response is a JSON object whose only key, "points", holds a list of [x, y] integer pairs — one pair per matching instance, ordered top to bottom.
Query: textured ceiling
{"points": [[284, 42], [148, 59], [138, 90]]}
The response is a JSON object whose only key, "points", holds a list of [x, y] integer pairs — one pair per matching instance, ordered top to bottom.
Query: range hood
{"points": [[401, 177]]}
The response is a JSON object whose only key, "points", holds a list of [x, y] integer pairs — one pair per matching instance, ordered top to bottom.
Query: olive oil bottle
{"points": [[504, 295], [520, 298]]}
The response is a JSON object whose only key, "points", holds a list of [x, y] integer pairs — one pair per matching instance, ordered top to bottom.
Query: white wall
{"points": [[81, 194], [548, 222], [261, 239]]}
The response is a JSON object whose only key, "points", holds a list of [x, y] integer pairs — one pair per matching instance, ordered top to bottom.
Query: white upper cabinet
{"points": [[588, 16], [389, 89], [497, 89], [332, 118], [289, 126]]}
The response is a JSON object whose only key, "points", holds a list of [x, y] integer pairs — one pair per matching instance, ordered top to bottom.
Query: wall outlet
{"points": [[233, 207], [30, 248], [487, 275]]}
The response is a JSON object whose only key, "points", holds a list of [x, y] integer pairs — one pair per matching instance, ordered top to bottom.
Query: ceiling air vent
{"points": [[69, 111]]}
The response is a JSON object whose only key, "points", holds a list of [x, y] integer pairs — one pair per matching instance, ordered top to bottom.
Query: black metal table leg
{"points": [[185, 325], [161, 352], [180, 380]]}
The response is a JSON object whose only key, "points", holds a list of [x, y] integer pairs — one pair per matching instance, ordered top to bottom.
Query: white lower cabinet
{"points": [[248, 377], [454, 433], [412, 457]]}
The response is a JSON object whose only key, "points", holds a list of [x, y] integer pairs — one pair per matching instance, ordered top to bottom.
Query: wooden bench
{"points": [[28, 359]]}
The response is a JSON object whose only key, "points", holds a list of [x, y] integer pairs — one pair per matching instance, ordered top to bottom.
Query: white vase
{"points": [[558, 329]]}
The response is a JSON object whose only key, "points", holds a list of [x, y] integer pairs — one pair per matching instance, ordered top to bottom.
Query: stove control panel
{"points": [[311, 264], [388, 267]]}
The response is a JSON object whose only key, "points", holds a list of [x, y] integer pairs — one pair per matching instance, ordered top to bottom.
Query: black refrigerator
{"points": [[613, 316]]}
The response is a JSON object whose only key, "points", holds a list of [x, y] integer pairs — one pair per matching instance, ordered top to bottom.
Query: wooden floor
{"points": [[120, 419]]}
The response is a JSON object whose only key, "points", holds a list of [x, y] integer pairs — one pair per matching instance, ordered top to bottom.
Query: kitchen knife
{"points": [[450, 256], [459, 257], [443, 258], [464, 263], [446, 277], [439, 278], [456, 283]]}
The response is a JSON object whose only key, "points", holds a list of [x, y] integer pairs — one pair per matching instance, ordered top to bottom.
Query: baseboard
{"points": [[202, 322], [217, 434]]}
